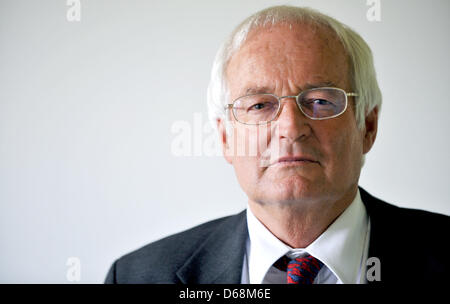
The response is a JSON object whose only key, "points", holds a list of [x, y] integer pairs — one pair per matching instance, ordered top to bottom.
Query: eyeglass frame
{"points": [[296, 97]]}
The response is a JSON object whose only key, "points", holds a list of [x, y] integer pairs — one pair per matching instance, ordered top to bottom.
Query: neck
{"points": [[298, 224]]}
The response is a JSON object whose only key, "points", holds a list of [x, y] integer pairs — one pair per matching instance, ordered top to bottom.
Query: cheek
{"points": [[244, 143], [251, 143], [343, 152], [245, 153], [251, 154], [247, 172]]}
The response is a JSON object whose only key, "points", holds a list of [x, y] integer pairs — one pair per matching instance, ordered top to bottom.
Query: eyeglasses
{"points": [[317, 103]]}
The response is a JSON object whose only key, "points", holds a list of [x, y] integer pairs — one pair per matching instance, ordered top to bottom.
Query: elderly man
{"points": [[295, 100]]}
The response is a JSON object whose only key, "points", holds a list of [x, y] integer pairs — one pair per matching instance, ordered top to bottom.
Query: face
{"points": [[298, 160]]}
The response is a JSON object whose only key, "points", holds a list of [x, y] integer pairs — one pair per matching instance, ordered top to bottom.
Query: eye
{"points": [[318, 102], [321, 102], [258, 106], [261, 106]]}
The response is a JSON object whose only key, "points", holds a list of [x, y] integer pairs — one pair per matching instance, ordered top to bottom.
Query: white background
{"points": [[86, 110]]}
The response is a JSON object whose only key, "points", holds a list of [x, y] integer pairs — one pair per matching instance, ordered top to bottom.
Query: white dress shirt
{"points": [[342, 248]]}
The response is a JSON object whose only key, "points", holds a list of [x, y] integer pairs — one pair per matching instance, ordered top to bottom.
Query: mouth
{"points": [[295, 161]]}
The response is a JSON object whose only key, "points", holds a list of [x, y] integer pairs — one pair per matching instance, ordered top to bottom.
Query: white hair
{"points": [[362, 70]]}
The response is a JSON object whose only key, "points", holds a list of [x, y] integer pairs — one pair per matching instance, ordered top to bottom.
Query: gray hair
{"points": [[362, 71]]}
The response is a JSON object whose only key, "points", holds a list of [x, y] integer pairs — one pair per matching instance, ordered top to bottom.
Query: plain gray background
{"points": [[87, 110]]}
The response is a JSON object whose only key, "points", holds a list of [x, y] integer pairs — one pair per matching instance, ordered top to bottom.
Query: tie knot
{"points": [[302, 270]]}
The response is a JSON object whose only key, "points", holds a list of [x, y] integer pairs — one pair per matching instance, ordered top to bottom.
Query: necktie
{"points": [[301, 270]]}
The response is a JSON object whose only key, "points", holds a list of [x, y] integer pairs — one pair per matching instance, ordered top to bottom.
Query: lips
{"points": [[295, 159]]}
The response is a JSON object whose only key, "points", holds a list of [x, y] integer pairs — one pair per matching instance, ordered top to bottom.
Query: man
{"points": [[295, 99]]}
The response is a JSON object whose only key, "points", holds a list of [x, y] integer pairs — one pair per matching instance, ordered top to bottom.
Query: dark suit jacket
{"points": [[412, 246]]}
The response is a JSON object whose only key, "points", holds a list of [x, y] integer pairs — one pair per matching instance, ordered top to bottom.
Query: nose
{"points": [[292, 123]]}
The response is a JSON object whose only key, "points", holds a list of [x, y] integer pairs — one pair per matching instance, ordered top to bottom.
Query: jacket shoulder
{"points": [[410, 218], [422, 228], [414, 237], [158, 261]]}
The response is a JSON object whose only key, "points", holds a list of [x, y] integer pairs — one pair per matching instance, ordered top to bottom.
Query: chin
{"points": [[289, 192]]}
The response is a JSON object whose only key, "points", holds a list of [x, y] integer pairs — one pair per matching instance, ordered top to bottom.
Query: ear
{"points": [[370, 132], [225, 140]]}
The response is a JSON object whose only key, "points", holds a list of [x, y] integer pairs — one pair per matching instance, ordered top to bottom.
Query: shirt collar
{"points": [[340, 247]]}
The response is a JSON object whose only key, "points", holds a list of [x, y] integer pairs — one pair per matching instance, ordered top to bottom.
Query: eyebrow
{"points": [[319, 85], [258, 90], [269, 90]]}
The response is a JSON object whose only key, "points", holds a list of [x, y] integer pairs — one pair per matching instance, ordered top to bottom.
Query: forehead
{"points": [[288, 57]]}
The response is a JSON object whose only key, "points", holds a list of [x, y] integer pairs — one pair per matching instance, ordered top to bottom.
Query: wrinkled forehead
{"points": [[284, 55]]}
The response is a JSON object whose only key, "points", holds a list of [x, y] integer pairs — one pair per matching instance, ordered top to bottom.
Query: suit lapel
{"points": [[373, 206], [384, 241], [219, 259]]}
